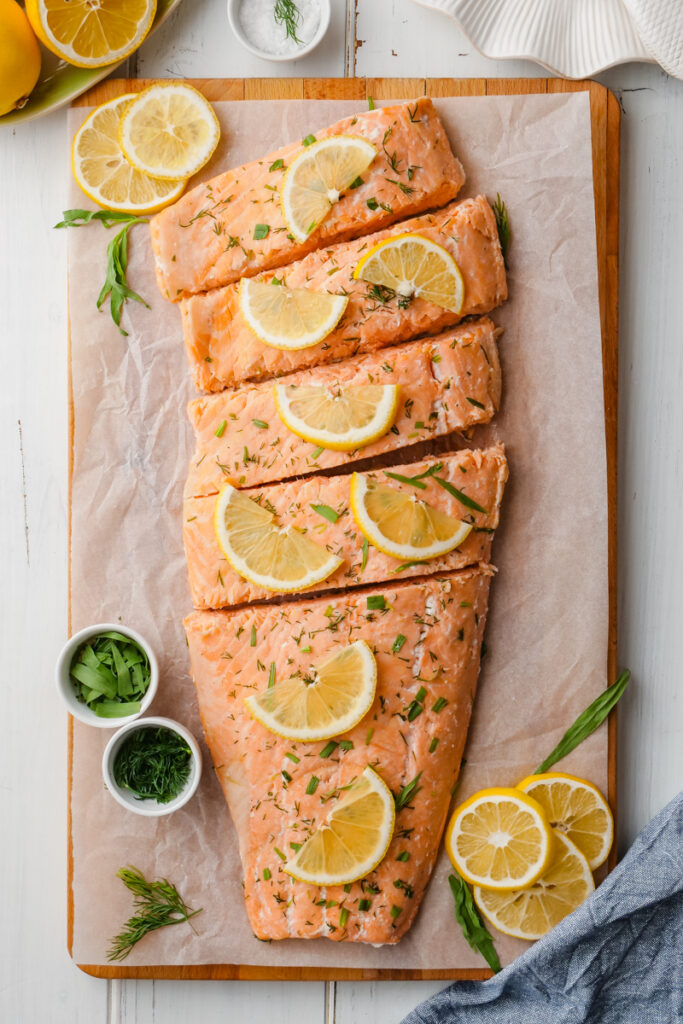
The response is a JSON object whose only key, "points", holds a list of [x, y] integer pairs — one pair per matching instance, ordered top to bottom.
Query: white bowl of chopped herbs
{"points": [[279, 30], [105, 673], [152, 766]]}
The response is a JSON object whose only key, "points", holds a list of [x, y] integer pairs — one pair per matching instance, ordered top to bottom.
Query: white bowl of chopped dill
{"points": [[279, 30], [107, 672], [152, 766]]}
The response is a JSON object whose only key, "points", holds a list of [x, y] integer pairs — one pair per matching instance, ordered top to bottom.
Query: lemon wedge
{"points": [[91, 34], [169, 130], [103, 172], [316, 178], [412, 266], [289, 318], [340, 418], [401, 525], [275, 557], [328, 700], [578, 809], [353, 839], [499, 839], [531, 913]]}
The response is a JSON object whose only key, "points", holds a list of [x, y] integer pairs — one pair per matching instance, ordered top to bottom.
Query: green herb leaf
{"points": [[287, 13], [371, 103], [309, 140], [277, 165], [356, 183], [78, 218], [503, 224], [261, 231], [473, 401], [261, 424], [221, 428], [316, 453], [413, 481], [460, 495], [326, 512], [364, 549], [376, 602], [252, 639], [398, 643], [110, 674], [271, 675], [439, 704], [587, 722], [346, 744], [329, 748], [292, 757], [153, 763], [312, 785], [408, 792], [279, 853], [403, 855], [266, 875], [158, 904], [364, 905], [395, 911], [467, 916], [343, 917]]}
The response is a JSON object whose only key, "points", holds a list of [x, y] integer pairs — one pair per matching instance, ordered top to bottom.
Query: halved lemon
{"points": [[91, 33], [169, 130], [104, 174], [316, 178], [413, 266], [289, 318], [340, 418], [402, 525], [275, 557], [328, 700], [578, 809], [499, 839], [352, 840], [531, 913]]}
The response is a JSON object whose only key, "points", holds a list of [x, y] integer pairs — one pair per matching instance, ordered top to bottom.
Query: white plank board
{"points": [[215, 1002]]}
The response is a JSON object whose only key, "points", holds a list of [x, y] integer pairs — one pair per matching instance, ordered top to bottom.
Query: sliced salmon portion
{"points": [[206, 239], [223, 351], [449, 382], [479, 475], [427, 637]]}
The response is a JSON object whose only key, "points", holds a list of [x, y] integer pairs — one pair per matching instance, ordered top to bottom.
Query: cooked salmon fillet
{"points": [[206, 239], [223, 351], [449, 382], [480, 475], [428, 636]]}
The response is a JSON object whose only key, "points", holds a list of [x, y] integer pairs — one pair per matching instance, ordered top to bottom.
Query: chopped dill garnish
{"points": [[503, 224]]}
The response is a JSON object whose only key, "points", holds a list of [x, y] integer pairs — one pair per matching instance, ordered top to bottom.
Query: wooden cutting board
{"points": [[605, 124]]}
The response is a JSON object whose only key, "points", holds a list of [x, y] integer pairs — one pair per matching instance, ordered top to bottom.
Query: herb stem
{"points": [[158, 904]]}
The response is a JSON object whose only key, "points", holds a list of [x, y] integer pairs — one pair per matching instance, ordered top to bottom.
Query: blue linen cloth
{"points": [[618, 959]]}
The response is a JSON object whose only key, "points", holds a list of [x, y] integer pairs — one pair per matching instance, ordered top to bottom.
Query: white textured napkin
{"points": [[660, 26]]}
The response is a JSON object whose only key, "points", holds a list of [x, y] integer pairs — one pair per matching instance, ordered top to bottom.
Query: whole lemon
{"points": [[19, 57]]}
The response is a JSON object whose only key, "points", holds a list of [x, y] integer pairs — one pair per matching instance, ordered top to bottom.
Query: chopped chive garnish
{"points": [[371, 103], [309, 140], [276, 165], [356, 183], [261, 231], [473, 401], [261, 424], [221, 428], [317, 452], [462, 498], [326, 512], [364, 557], [376, 602], [252, 642], [398, 643], [306, 650], [271, 675], [420, 695], [439, 704], [414, 711], [368, 736], [346, 744], [433, 745], [329, 748], [292, 757], [286, 776], [312, 785], [408, 792], [296, 846], [279, 853], [403, 855], [266, 875], [347, 887], [364, 904], [395, 911], [343, 917]]}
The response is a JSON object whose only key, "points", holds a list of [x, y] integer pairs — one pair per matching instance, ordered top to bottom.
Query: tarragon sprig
{"points": [[115, 287], [469, 919]]}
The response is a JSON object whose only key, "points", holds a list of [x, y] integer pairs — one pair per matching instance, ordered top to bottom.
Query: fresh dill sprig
{"points": [[288, 14], [503, 224], [115, 287], [158, 904]]}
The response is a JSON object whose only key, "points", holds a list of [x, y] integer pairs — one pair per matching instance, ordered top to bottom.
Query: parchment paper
{"points": [[547, 632]]}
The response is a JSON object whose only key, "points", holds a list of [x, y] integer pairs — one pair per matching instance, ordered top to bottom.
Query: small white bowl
{"points": [[233, 18], [65, 687], [150, 808]]}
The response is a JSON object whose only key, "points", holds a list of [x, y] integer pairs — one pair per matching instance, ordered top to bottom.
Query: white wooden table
{"points": [[367, 37]]}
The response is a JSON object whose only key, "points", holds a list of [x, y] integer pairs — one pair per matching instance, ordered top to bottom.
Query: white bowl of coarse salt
{"points": [[279, 30]]}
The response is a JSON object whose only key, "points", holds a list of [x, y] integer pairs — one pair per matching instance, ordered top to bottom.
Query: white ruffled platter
{"points": [[571, 38]]}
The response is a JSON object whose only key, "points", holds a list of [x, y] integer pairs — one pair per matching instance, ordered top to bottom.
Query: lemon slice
{"points": [[91, 34], [169, 130], [103, 172], [316, 177], [412, 266], [289, 318], [340, 418], [401, 525], [269, 555], [328, 700], [578, 809], [353, 839], [499, 839], [531, 913]]}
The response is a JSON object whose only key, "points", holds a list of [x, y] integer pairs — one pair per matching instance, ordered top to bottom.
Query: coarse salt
{"points": [[257, 20]]}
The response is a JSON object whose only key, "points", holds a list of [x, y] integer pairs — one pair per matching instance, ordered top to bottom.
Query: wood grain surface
{"points": [[605, 125]]}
